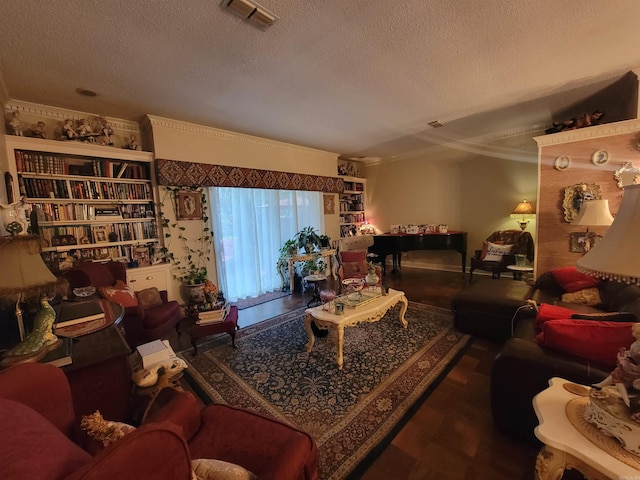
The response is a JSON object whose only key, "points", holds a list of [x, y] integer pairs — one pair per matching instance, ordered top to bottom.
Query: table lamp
{"points": [[523, 213], [593, 213], [615, 256], [28, 277]]}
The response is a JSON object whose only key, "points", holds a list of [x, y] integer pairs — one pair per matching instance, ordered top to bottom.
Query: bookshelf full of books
{"points": [[90, 201], [352, 211]]}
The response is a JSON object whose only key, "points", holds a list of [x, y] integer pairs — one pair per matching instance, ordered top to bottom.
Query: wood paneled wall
{"points": [[620, 140]]}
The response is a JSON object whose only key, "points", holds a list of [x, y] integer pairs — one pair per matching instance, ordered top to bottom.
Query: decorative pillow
{"points": [[495, 252], [353, 256], [352, 269], [571, 280], [120, 293], [587, 296], [149, 297], [548, 312], [597, 341], [104, 431], [210, 469]]}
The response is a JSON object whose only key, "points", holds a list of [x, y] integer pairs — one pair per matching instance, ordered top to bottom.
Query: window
{"points": [[250, 225]]}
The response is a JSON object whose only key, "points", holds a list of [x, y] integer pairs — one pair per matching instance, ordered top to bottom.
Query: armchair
{"points": [[522, 242], [353, 264], [141, 323], [43, 441]]}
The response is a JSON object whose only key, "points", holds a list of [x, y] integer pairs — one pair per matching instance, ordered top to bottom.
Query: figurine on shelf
{"points": [[584, 120], [15, 124], [68, 130], [106, 130], [38, 131], [85, 132], [132, 144]]}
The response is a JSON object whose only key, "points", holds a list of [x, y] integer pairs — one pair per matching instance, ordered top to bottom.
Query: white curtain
{"points": [[250, 225]]}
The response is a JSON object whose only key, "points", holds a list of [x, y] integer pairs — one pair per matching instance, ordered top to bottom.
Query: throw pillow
{"points": [[495, 252], [353, 256], [353, 269], [571, 280], [119, 293], [587, 296], [149, 297], [548, 312], [596, 341], [104, 431], [210, 469]]}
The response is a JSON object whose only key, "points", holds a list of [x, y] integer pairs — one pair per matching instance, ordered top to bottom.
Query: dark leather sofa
{"points": [[523, 368]]}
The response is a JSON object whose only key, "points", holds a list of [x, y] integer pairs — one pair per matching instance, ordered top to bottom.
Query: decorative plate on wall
{"points": [[600, 157], [562, 162]]}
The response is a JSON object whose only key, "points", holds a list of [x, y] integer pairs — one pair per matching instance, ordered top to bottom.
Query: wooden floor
{"points": [[451, 436]]}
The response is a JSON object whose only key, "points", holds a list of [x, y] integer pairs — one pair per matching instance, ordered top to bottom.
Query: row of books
{"points": [[53, 164], [83, 189], [82, 211], [213, 316]]}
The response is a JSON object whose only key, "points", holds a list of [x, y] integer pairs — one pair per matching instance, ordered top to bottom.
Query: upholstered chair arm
{"points": [[164, 296], [45, 389], [180, 408], [157, 451]]}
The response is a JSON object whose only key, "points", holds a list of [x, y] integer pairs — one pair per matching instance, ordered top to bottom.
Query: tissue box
{"points": [[153, 352]]}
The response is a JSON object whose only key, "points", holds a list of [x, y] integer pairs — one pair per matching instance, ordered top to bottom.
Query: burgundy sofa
{"points": [[141, 325], [41, 438]]}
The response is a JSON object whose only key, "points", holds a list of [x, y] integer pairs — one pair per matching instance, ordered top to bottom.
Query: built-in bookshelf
{"points": [[90, 201], [352, 211]]}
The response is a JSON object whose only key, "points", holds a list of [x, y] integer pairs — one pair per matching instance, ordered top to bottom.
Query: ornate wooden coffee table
{"points": [[369, 312]]}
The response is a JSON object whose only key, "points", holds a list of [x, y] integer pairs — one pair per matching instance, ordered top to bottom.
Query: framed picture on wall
{"points": [[329, 204], [189, 205]]}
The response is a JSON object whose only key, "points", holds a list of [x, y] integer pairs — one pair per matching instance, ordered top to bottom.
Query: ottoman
{"points": [[489, 308], [230, 325]]}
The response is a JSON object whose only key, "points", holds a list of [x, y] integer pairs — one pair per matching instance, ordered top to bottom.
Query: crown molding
{"points": [[61, 114], [193, 128], [588, 133]]}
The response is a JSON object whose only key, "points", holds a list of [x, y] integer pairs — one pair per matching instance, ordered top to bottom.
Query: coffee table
{"points": [[368, 312]]}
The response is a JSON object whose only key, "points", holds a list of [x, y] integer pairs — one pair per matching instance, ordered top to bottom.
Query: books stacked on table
{"points": [[74, 313], [213, 316]]}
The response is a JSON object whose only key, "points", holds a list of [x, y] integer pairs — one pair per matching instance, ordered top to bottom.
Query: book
{"points": [[123, 167], [72, 313], [213, 316], [60, 356]]}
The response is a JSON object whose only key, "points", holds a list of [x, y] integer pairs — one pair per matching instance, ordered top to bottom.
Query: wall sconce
{"points": [[523, 214]]}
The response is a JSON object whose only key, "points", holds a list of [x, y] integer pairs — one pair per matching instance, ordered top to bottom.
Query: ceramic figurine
{"points": [[15, 124], [38, 130], [68, 130], [106, 131], [85, 132], [133, 144]]}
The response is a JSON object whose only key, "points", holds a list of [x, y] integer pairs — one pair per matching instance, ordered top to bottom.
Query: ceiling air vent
{"points": [[251, 12], [436, 124]]}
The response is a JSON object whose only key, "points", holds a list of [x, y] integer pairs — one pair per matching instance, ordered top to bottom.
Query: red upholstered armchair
{"points": [[353, 264], [141, 323], [41, 438]]}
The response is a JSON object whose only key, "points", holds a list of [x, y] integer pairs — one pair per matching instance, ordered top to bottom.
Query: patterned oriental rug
{"points": [[354, 413]]}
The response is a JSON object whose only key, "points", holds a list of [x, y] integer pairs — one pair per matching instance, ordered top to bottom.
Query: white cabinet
{"points": [[154, 276]]}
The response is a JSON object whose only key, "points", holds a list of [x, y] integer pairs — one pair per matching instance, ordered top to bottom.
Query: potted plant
{"points": [[308, 239], [325, 241], [191, 267]]}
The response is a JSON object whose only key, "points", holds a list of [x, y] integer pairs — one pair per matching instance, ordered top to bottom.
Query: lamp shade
{"points": [[523, 210], [594, 213], [615, 257], [24, 270]]}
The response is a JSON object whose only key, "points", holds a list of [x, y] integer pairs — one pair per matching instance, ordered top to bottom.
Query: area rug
{"points": [[253, 301], [352, 413]]}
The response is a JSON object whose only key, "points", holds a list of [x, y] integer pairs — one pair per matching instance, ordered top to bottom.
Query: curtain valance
{"points": [[187, 174]]}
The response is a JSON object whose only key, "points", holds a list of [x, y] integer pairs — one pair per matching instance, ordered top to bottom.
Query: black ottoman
{"points": [[487, 307]]}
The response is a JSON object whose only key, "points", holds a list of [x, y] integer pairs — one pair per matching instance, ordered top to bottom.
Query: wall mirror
{"points": [[627, 175], [575, 196]]}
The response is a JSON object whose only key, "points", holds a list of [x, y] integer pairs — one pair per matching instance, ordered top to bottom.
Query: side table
{"points": [[518, 271], [315, 280], [230, 325], [564, 446]]}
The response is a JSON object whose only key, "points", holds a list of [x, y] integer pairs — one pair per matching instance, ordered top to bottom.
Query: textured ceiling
{"points": [[356, 77]]}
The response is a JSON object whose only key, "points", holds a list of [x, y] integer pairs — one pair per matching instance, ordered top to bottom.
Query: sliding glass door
{"points": [[250, 225]]}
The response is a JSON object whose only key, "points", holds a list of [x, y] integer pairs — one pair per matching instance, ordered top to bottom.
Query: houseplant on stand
{"points": [[308, 239], [190, 267]]}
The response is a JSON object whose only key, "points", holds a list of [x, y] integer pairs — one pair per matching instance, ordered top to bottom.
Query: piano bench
{"points": [[487, 308]]}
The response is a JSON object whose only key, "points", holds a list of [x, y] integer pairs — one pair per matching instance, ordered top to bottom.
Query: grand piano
{"points": [[394, 244]]}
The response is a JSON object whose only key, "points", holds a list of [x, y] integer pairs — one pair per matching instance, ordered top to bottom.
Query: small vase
{"points": [[372, 279], [196, 293]]}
